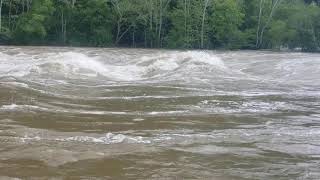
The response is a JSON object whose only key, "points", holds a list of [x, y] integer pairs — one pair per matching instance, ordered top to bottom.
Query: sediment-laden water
{"points": [[83, 113]]}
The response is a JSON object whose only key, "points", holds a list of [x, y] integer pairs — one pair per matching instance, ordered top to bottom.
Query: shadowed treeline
{"points": [[209, 24]]}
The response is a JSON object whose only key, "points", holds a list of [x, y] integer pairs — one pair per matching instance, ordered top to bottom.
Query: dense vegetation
{"points": [[230, 24]]}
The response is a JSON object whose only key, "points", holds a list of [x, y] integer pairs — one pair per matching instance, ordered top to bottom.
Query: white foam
{"points": [[4, 56], [204, 57], [78, 65], [165, 65], [17, 84], [224, 106], [9, 107], [15, 107], [21, 107], [95, 112], [166, 112], [138, 119], [26, 138], [109, 138]]}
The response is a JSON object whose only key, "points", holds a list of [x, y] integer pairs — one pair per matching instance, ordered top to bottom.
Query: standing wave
{"points": [[74, 65]]}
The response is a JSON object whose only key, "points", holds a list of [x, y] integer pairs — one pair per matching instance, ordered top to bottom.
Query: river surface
{"points": [[86, 113]]}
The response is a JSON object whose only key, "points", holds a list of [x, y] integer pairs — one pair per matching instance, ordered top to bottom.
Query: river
{"points": [[103, 113]]}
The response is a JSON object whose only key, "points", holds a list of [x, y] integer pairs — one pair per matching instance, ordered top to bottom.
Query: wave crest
{"points": [[78, 65]]}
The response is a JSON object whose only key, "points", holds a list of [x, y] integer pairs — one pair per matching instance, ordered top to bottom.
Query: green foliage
{"points": [[225, 21], [305, 23], [90, 24], [228, 24], [186, 25], [31, 26], [299, 27], [280, 35], [5, 36]]}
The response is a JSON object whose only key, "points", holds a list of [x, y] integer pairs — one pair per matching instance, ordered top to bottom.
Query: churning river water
{"points": [[86, 113]]}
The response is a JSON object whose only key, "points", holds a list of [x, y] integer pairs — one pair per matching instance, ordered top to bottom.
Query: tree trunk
{"points": [[1, 2], [73, 3], [28, 4], [10, 5], [23, 6], [203, 19], [161, 20], [119, 21], [185, 21], [268, 21], [151, 23], [259, 23], [160, 24], [62, 26], [156, 28], [188, 29], [65, 31], [118, 31], [120, 37], [314, 37], [145, 38], [133, 40]]}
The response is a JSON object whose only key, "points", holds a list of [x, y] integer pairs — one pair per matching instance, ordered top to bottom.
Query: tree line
{"points": [[199, 24]]}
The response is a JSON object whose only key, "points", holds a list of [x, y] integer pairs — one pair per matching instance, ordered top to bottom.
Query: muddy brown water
{"points": [[86, 113]]}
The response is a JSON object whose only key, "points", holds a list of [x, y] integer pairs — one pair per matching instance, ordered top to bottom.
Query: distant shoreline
{"points": [[167, 49]]}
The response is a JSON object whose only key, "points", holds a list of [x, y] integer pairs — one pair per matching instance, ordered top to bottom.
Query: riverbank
{"points": [[284, 50]]}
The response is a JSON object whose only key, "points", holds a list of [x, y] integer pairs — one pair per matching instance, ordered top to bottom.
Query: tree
{"points": [[206, 2], [274, 6], [123, 9], [186, 20], [225, 21], [305, 21], [259, 22], [91, 23], [243, 24], [31, 25], [279, 34]]}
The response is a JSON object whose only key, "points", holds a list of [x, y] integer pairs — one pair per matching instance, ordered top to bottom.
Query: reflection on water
{"points": [[156, 114]]}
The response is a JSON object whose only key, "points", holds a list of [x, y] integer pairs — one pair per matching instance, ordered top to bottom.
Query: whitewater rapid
{"points": [[168, 114]]}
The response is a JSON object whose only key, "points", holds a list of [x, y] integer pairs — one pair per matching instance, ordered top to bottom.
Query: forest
{"points": [[178, 24]]}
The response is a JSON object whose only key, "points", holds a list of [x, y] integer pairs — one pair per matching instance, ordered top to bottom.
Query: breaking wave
{"points": [[77, 65]]}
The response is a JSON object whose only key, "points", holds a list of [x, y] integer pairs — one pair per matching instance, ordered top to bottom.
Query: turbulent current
{"points": [[86, 113]]}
